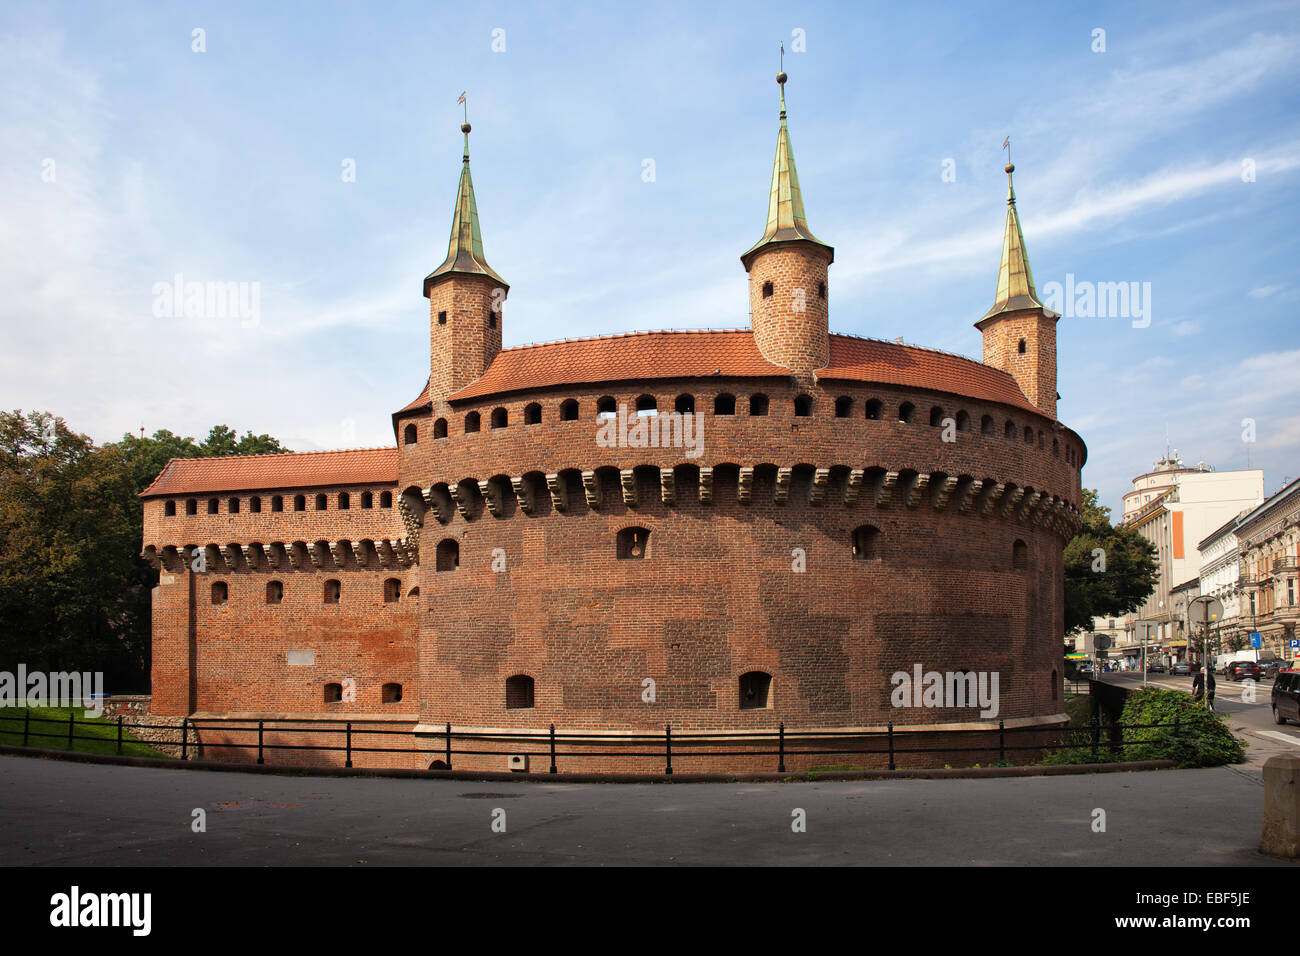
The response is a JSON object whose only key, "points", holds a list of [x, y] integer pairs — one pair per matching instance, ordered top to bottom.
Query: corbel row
{"points": [[386, 553]]}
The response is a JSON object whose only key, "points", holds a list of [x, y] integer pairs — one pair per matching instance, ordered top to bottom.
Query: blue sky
{"points": [[225, 166]]}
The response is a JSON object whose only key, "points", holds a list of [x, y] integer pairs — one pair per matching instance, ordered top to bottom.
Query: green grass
{"points": [[54, 720]]}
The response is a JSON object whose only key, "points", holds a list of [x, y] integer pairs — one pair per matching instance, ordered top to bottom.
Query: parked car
{"points": [[1155, 667], [1182, 669], [1268, 669], [1242, 670], [1286, 697]]}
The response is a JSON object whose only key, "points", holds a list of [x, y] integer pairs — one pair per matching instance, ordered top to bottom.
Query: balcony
{"points": [[1285, 564]]}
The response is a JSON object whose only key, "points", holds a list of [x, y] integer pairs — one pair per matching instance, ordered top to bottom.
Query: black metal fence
{"points": [[553, 745]]}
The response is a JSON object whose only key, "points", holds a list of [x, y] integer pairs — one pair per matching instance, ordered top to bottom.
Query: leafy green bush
{"points": [[1203, 738]]}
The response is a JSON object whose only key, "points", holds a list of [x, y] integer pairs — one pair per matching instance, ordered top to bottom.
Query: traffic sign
{"points": [[1101, 641], [1256, 641]]}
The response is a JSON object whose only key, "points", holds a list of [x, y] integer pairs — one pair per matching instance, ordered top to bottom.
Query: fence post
{"points": [[27, 724], [71, 727], [119, 734], [1096, 734], [185, 738], [1002, 741], [259, 742], [448, 745], [668, 746], [891, 747], [553, 748], [348, 762], [780, 767]]}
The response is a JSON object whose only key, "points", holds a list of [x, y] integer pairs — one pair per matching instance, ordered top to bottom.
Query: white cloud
{"points": [[1264, 291]]}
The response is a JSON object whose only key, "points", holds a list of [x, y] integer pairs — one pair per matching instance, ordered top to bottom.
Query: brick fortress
{"points": [[852, 508]]}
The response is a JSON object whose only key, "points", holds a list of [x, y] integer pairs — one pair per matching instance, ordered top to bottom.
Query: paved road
{"points": [[52, 812]]}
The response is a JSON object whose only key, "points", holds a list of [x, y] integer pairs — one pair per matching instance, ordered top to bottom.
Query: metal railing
{"points": [[553, 745]]}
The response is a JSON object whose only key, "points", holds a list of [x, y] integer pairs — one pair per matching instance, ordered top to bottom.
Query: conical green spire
{"points": [[786, 220], [465, 249], [1015, 280]]}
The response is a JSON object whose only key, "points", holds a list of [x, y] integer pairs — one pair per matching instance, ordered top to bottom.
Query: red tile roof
{"points": [[660, 355], [421, 399], [356, 466]]}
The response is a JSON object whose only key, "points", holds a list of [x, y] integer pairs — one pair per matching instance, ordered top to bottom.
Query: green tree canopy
{"points": [[1108, 570]]}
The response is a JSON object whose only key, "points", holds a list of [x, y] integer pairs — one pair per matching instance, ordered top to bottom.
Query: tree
{"points": [[1108, 570]]}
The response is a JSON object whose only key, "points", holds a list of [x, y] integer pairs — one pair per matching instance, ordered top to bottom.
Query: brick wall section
{"points": [[791, 326], [1035, 369]]}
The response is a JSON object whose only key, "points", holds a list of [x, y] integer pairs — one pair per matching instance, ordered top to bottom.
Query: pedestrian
{"points": [[1203, 685], [1209, 687]]}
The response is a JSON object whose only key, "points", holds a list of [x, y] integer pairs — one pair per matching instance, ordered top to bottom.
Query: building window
{"points": [[767, 290], [821, 290], [492, 317], [442, 318], [1021, 347], [685, 404], [724, 404], [647, 405], [802, 406], [843, 406], [606, 407], [569, 410], [873, 410], [905, 412], [532, 414], [936, 416], [499, 418], [963, 421], [472, 422], [986, 425], [440, 428], [1009, 431], [410, 435], [1029, 435], [1056, 448], [386, 499], [367, 500], [345, 501], [322, 502], [255, 505], [191, 506], [213, 506], [233, 506], [169, 509], [632, 542], [866, 543], [448, 555], [1019, 555], [333, 591], [392, 591], [220, 592], [274, 592], [1290, 592], [754, 689], [519, 692], [333, 693], [391, 694]]}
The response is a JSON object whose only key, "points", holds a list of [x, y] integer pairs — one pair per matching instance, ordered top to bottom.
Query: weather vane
{"points": [[461, 102], [1006, 144]]}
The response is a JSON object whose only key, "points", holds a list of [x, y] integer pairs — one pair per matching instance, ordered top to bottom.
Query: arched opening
{"points": [[768, 290], [1021, 347], [685, 404], [724, 404], [758, 404], [646, 405], [802, 406], [843, 406], [606, 407], [569, 410], [873, 410], [905, 412], [532, 414], [936, 416], [499, 417], [963, 421], [472, 422], [987, 425], [440, 428], [1009, 431], [409, 435], [1029, 435], [1056, 448], [386, 499], [367, 500], [345, 501], [322, 502], [277, 503], [255, 505], [191, 506], [214, 506], [232, 506], [169, 509], [632, 543], [866, 543], [1019, 555], [448, 558], [392, 590], [333, 591], [220, 592], [274, 592], [755, 688], [519, 692], [333, 693], [391, 693]]}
